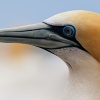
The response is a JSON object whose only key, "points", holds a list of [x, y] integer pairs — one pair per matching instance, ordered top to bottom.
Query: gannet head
{"points": [[84, 26], [79, 29]]}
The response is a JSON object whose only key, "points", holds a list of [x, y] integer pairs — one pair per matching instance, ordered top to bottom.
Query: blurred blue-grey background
{"points": [[14, 12], [27, 72]]}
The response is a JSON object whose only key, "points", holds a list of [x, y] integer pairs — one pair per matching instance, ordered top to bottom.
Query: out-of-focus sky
{"points": [[20, 12], [36, 75]]}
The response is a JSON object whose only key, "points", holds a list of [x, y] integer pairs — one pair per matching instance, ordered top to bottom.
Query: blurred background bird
{"points": [[24, 74]]}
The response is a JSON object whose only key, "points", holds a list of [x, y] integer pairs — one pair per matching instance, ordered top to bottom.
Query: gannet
{"points": [[74, 36]]}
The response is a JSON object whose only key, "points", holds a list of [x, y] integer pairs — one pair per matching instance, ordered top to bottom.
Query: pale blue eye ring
{"points": [[69, 31]]}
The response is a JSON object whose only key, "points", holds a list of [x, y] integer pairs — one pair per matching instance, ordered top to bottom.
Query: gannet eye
{"points": [[69, 31]]}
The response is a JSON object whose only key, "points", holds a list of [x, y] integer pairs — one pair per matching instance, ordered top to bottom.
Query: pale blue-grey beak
{"points": [[41, 35]]}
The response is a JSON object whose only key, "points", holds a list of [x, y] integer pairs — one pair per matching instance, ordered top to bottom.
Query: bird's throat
{"points": [[83, 81]]}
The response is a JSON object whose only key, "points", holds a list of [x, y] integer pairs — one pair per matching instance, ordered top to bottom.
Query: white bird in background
{"points": [[73, 36], [24, 74]]}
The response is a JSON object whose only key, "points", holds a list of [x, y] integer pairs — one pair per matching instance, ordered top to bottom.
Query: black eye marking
{"points": [[69, 31]]}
